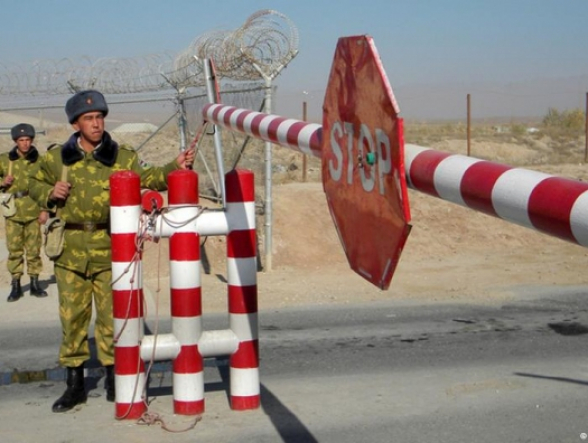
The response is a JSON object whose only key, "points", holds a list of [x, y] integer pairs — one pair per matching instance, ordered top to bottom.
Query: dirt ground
{"points": [[452, 254]]}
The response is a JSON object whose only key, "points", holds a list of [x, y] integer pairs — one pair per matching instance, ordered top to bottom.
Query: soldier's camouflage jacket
{"points": [[89, 198], [26, 208]]}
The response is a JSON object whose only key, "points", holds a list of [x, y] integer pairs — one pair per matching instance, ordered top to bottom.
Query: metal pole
{"points": [[211, 92], [182, 121], [469, 126], [586, 131], [304, 157], [268, 160], [268, 181]]}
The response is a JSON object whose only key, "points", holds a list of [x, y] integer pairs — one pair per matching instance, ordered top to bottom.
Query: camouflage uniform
{"points": [[23, 235], [84, 269]]}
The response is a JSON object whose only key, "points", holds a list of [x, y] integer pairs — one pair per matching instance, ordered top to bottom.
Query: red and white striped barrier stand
{"points": [[553, 205], [242, 289], [127, 292], [186, 299], [187, 345]]}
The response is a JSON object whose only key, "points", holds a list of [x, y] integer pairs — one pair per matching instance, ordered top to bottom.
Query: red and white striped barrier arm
{"points": [[294, 134], [553, 205]]}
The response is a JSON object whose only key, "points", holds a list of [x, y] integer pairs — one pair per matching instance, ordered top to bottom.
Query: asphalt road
{"points": [[385, 372]]}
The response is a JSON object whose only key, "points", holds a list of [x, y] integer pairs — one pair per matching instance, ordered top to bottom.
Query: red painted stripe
{"points": [[216, 111], [227, 115], [240, 119], [255, 121], [272, 129], [294, 132], [316, 142], [422, 170], [477, 184], [240, 186], [182, 187], [125, 189], [151, 200], [550, 205], [242, 244], [184, 246], [124, 247], [242, 299], [186, 302], [127, 304], [246, 356], [127, 360], [188, 361], [242, 403], [188, 407], [130, 411]]}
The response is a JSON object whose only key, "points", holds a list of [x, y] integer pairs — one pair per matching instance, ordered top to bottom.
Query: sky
{"points": [[515, 57]]}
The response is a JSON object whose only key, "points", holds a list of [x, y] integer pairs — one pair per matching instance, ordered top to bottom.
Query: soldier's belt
{"points": [[21, 194], [86, 226]]}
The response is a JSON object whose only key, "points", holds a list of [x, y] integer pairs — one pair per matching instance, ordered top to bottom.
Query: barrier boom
{"points": [[297, 135], [366, 168], [554, 205]]}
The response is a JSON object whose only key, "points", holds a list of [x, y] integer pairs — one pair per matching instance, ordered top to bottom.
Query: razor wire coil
{"points": [[265, 43]]}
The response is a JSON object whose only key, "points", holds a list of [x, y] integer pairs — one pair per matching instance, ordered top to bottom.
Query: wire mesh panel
{"points": [[238, 151]]}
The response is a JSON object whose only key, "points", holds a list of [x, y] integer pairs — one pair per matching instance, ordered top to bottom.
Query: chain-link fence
{"points": [[150, 123]]}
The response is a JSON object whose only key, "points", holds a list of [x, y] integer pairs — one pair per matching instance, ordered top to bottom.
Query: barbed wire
{"points": [[265, 43]]}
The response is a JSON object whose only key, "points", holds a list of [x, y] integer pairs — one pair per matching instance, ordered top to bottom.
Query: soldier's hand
{"points": [[186, 159], [7, 181], [60, 191], [43, 217]]}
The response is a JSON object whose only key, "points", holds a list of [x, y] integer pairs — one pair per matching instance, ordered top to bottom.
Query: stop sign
{"points": [[363, 161]]}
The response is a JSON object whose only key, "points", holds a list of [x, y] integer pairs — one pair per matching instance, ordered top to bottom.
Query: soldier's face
{"points": [[90, 126], [23, 144]]}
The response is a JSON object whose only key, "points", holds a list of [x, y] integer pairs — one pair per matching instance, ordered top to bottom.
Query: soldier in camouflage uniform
{"points": [[81, 198], [23, 234]]}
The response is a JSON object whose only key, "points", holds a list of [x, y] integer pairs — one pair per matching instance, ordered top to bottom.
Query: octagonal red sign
{"points": [[363, 161]]}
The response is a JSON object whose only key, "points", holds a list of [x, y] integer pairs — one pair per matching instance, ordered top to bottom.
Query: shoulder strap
{"points": [[9, 167], [64, 169], [64, 173], [63, 178]]}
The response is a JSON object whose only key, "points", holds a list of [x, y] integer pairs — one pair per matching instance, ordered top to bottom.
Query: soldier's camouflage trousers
{"points": [[23, 239], [76, 292]]}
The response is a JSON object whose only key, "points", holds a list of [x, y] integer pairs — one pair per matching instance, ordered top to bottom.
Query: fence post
{"points": [[469, 125], [586, 131], [304, 157]]}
